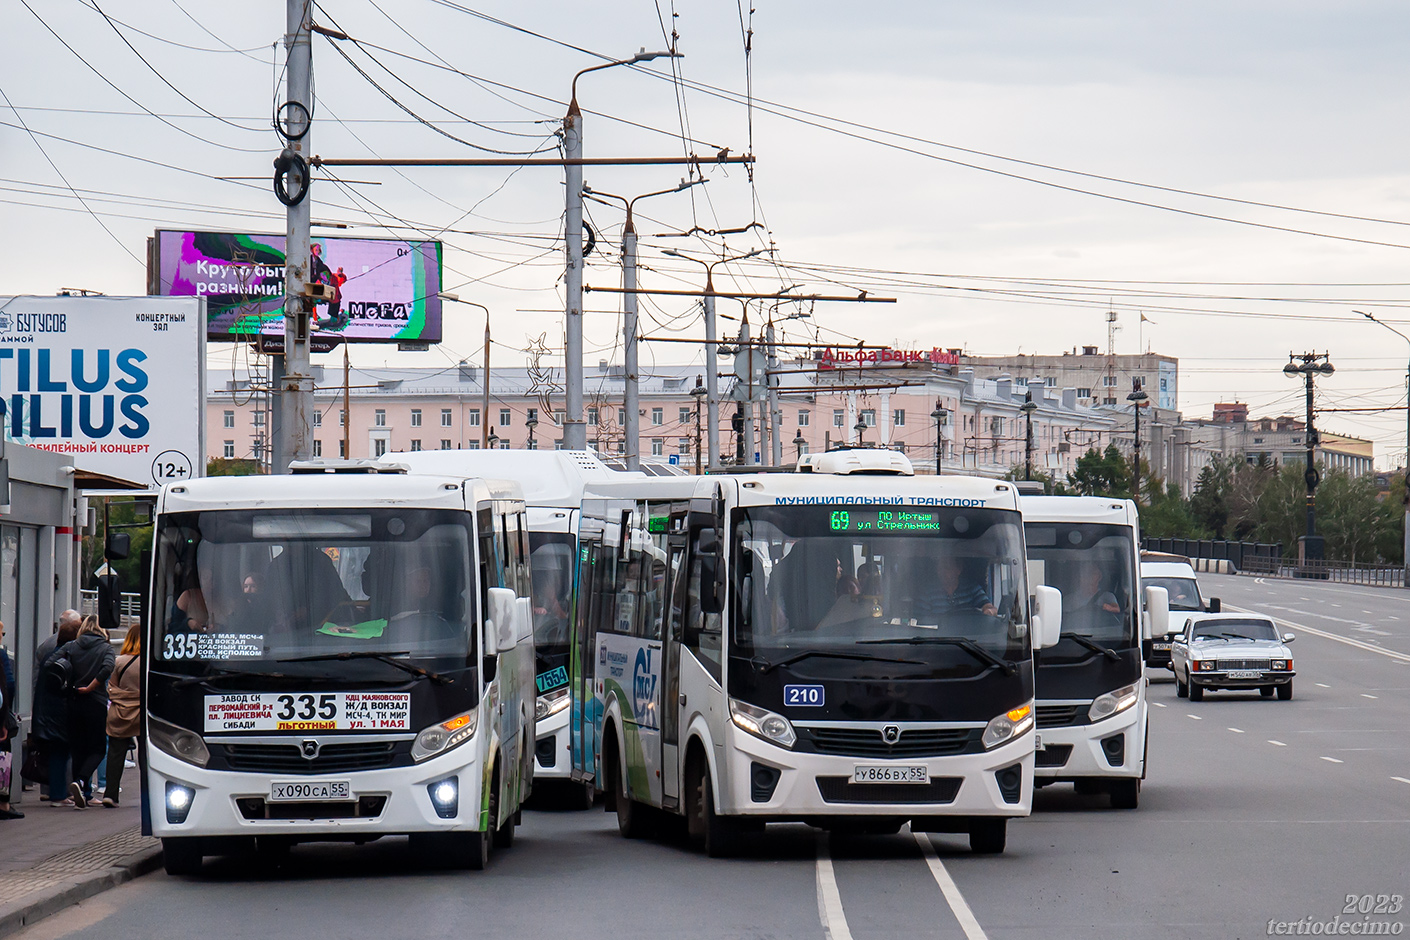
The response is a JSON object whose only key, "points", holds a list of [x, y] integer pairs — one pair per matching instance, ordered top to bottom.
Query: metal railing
{"points": [[1238, 554], [1346, 572], [130, 606]]}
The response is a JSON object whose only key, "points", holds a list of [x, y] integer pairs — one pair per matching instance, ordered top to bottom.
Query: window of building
{"points": [[1050, 381], [1108, 381], [1084, 393], [532, 415], [658, 416], [684, 416], [416, 417], [504, 417], [559, 417], [592, 417], [622, 417], [804, 417], [869, 417], [317, 418], [342, 418], [379, 418], [447, 418], [472, 418], [839, 418], [898, 418], [230, 419], [259, 419], [1258, 440], [445, 443], [415, 444], [533, 444], [558, 444], [472, 445], [503, 445], [683, 445], [658, 446], [259, 447], [379, 447], [621, 447], [318, 448], [343, 449], [229, 452]]}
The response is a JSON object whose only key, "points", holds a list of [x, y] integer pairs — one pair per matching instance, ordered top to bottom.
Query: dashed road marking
{"points": [[1359, 644], [1323, 685], [1364, 695], [1158, 704], [1195, 717], [1237, 730], [1276, 743], [1333, 760], [1401, 779], [961, 910], [834, 921]]}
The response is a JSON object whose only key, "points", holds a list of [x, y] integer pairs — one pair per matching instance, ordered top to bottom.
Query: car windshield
{"points": [[551, 558], [1092, 565], [824, 578], [239, 586], [1184, 592], [1236, 629]]}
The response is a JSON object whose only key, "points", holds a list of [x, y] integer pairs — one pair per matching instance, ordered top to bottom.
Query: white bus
{"points": [[553, 482], [850, 647], [338, 656], [1091, 686]]}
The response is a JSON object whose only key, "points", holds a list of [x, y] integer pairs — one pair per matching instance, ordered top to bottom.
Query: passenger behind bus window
{"points": [[304, 587], [952, 589], [1088, 593]]}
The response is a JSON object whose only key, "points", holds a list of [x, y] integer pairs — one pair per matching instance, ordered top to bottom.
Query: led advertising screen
{"points": [[380, 290]]}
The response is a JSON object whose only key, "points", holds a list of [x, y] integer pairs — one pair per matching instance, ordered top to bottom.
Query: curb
{"points": [[48, 901]]}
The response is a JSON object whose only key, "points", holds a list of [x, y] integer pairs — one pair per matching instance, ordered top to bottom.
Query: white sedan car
{"points": [[1232, 651]]}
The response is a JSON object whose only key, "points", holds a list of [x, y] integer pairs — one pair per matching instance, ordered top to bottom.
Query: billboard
{"points": [[383, 290], [118, 383]]}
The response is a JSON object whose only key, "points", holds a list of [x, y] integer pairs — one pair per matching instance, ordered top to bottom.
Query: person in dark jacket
{"points": [[90, 660], [51, 713], [8, 728]]}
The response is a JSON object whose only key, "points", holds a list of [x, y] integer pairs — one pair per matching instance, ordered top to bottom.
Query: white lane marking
{"points": [[1398, 657], [1323, 685], [1364, 695], [1158, 704], [1195, 717], [1237, 730], [1276, 743], [1333, 760], [1401, 779], [834, 921], [968, 923]]}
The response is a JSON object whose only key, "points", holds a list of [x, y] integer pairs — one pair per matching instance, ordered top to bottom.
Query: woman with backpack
{"points": [[91, 662], [124, 711], [51, 713]]}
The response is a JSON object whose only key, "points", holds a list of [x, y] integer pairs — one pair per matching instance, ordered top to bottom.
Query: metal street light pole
{"points": [[1308, 365], [698, 393], [631, 394], [1138, 399], [485, 406], [1028, 407], [939, 414], [574, 431], [1406, 465]]}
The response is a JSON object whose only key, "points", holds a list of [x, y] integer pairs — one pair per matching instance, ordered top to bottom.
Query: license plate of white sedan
{"points": [[1162, 646], [1245, 674], [890, 773], [310, 791]]}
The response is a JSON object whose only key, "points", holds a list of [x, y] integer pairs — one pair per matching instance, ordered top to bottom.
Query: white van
{"points": [[1177, 576]]}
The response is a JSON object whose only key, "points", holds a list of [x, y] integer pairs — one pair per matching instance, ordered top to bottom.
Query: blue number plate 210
{"points": [[799, 696]]}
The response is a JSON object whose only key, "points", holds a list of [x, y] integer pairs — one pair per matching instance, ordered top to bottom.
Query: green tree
{"points": [[1104, 473], [1168, 515]]}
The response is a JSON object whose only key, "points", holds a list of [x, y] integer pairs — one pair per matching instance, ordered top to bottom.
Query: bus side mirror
{"points": [[117, 546], [707, 546], [746, 600], [1214, 606], [502, 608], [1047, 616], [1156, 622]]}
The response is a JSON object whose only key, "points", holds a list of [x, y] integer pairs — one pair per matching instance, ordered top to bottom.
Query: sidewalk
{"points": [[56, 857]]}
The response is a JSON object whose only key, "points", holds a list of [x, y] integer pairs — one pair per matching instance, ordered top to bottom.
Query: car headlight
{"points": [[1204, 665], [1281, 665], [551, 703], [1113, 703], [762, 723], [1008, 726], [444, 736], [178, 742]]}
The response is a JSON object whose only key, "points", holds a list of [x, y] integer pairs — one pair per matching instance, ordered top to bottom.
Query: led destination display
{"points": [[883, 520]]}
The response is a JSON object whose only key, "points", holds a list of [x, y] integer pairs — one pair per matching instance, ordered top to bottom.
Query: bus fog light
{"points": [[551, 703], [1112, 703], [762, 723], [1009, 725], [442, 737], [445, 797], [178, 802]]}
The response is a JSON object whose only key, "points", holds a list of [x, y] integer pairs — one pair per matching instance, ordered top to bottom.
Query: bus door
{"points": [[671, 673], [583, 720]]}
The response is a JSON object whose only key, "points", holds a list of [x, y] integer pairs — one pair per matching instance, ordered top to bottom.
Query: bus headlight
{"points": [[551, 703], [1112, 703], [762, 723], [1007, 726], [444, 736], [178, 742]]}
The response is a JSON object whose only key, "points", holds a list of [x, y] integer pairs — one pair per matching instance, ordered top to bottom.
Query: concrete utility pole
{"points": [[1308, 365], [295, 384], [1138, 399], [747, 402], [775, 412]]}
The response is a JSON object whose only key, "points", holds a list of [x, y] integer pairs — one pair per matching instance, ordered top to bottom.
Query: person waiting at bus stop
{"points": [[950, 591]]}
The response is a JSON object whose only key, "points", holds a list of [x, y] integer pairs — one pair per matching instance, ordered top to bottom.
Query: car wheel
{"points": [[1182, 689], [1266, 691], [1285, 691], [1196, 693], [1125, 793], [988, 836], [182, 856]]}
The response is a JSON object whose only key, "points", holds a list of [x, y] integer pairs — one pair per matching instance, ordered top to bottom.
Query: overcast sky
{"points": [[1293, 104]]}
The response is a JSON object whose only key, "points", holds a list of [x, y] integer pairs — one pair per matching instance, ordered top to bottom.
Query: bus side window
{"points": [[487, 561], [702, 631]]}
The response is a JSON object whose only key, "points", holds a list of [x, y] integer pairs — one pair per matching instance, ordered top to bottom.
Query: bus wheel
{"points": [[1125, 793], [580, 796], [633, 818], [504, 835], [720, 836], [988, 836], [451, 849], [182, 856]]}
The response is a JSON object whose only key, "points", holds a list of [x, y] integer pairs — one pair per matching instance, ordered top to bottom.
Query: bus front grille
{"points": [[868, 742], [287, 758], [843, 790]]}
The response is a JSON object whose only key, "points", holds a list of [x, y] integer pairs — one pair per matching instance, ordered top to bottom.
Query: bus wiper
{"points": [[1085, 639], [963, 642], [833, 654], [388, 658], [216, 672]]}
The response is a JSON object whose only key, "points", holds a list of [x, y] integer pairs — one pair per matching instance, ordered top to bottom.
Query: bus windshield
{"points": [[551, 558], [1092, 565], [827, 576], [262, 586]]}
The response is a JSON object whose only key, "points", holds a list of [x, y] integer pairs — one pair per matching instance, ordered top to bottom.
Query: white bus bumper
{"points": [[553, 739], [1086, 750]]}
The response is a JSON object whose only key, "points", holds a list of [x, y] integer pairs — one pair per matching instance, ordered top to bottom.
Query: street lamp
{"points": [[712, 350], [1308, 365], [698, 393], [1138, 400], [1028, 407], [939, 414], [532, 423], [861, 428], [574, 431], [1407, 441], [491, 442], [799, 443]]}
